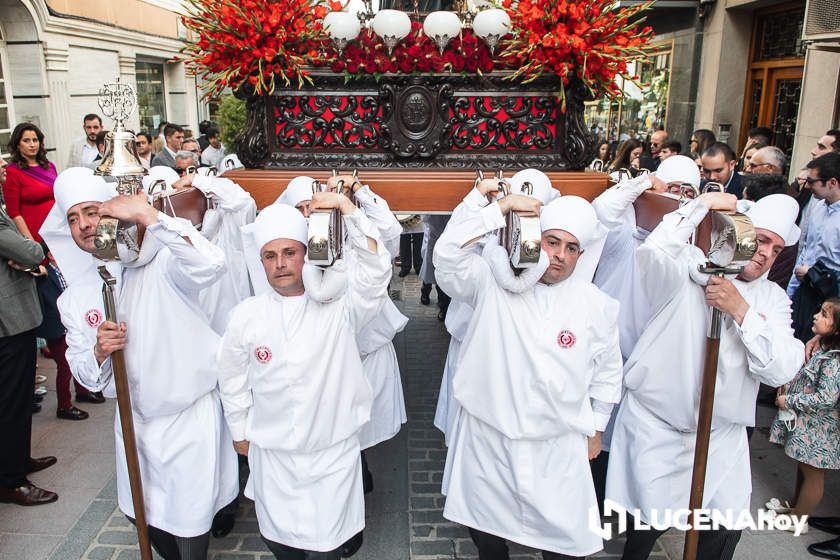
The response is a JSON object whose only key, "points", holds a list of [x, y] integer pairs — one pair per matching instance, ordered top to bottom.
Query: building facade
{"points": [[56, 54]]}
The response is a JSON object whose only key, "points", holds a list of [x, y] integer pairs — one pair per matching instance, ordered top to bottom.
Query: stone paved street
{"points": [[404, 513]]}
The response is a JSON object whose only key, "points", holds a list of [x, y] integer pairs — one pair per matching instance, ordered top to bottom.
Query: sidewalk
{"points": [[404, 513]]}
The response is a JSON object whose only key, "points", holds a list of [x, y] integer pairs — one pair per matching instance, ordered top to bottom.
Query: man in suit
{"points": [[174, 137], [719, 167], [20, 313]]}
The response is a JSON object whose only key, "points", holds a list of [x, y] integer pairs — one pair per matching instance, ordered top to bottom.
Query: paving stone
{"points": [[118, 537], [101, 553]]}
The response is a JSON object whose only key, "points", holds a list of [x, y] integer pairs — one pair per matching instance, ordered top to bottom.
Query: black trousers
{"points": [[411, 251], [443, 298], [17, 378], [598, 467], [712, 545], [170, 547], [491, 547], [283, 552]]}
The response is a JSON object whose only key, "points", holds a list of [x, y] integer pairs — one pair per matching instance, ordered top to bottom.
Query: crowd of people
{"points": [[561, 388]]}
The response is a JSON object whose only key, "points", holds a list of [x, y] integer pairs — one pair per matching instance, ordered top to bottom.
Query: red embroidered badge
{"points": [[94, 318], [566, 339], [263, 354]]}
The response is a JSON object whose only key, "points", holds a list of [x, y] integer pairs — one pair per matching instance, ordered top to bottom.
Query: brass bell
{"points": [[120, 158]]}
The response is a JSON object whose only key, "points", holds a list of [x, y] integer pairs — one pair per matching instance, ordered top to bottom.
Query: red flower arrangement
{"points": [[587, 39], [260, 42], [367, 54]]}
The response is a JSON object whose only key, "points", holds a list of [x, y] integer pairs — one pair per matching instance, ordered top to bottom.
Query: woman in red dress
{"points": [[28, 192]]}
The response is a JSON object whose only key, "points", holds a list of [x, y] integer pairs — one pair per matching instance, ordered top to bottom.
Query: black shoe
{"points": [[404, 273], [424, 299], [441, 315], [37, 398], [94, 398], [36, 408], [71, 413], [39, 464], [222, 524], [827, 524], [352, 546], [827, 549]]}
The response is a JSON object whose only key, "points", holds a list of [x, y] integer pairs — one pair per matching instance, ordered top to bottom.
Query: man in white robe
{"points": [[459, 313], [375, 339], [538, 373], [294, 391], [653, 444], [187, 465]]}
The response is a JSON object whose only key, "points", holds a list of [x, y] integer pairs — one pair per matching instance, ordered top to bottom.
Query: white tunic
{"points": [[234, 208], [458, 318], [375, 340], [529, 365], [292, 384], [652, 449], [188, 466]]}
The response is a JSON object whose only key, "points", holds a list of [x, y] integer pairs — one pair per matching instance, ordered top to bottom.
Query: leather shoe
{"points": [[403, 273], [424, 299], [37, 398], [95, 398], [36, 408], [71, 413], [39, 464], [27, 495], [222, 524], [827, 524], [352, 546], [827, 549]]}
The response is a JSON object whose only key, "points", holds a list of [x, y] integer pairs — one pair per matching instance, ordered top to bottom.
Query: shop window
{"points": [[151, 101]]}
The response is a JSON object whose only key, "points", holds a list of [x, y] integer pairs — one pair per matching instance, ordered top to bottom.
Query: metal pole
{"points": [[126, 421]]}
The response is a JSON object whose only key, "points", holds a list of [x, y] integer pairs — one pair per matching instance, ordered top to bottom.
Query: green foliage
{"points": [[232, 116]]}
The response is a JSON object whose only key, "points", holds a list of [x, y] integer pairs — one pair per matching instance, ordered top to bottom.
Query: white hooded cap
{"points": [[230, 161], [678, 169], [160, 173], [541, 184], [73, 186], [298, 190], [777, 213], [576, 216], [276, 221]]}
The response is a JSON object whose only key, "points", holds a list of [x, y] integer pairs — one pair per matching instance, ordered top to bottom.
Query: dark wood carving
{"points": [[417, 121]]}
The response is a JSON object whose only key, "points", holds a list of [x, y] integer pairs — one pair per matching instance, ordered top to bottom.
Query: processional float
{"points": [[118, 240]]}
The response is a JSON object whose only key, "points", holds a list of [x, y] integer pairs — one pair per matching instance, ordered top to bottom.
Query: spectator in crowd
{"points": [[203, 129], [760, 135], [174, 137], [701, 140], [829, 142], [191, 145], [144, 148], [84, 149], [668, 149], [629, 150], [749, 152], [214, 153], [185, 159], [768, 159], [651, 161], [719, 166], [759, 185], [28, 190], [818, 265], [20, 313], [808, 422]]}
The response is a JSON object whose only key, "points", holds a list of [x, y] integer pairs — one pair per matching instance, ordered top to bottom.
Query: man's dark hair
{"points": [[90, 117], [161, 126], [204, 127], [171, 129], [212, 132], [762, 133], [146, 135], [100, 137], [836, 144], [672, 145], [720, 148], [827, 166], [759, 185]]}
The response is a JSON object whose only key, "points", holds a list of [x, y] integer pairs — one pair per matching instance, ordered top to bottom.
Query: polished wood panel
{"points": [[409, 191]]}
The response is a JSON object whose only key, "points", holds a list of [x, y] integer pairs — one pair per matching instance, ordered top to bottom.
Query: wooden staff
{"points": [[126, 421], [704, 431]]}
